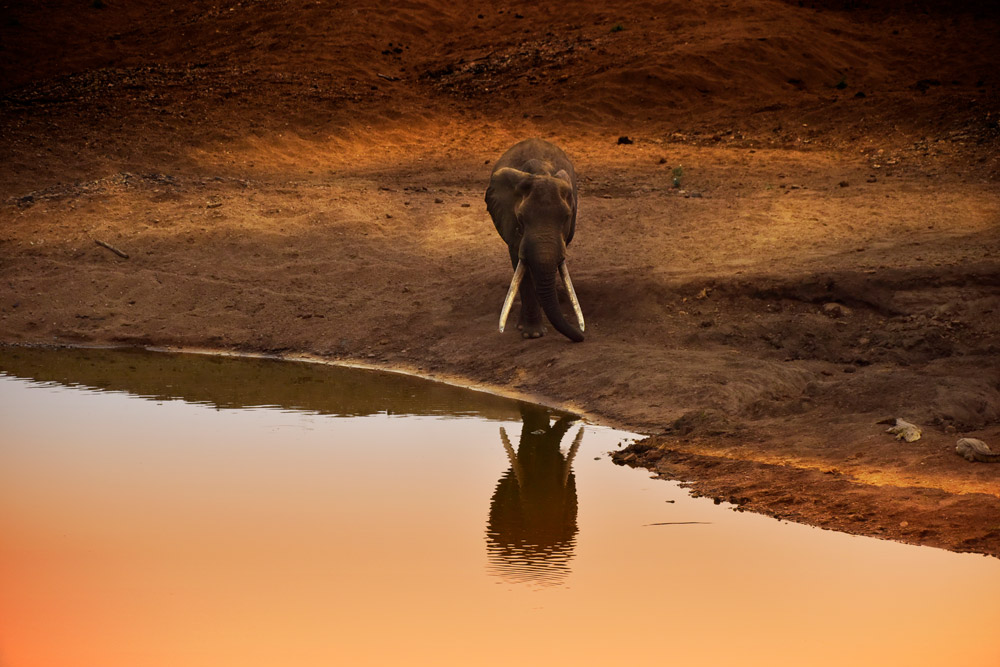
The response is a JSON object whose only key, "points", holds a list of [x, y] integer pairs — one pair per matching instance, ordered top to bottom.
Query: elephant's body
{"points": [[532, 199]]}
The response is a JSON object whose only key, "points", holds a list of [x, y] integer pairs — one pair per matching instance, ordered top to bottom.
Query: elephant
{"points": [[532, 199], [531, 529]]}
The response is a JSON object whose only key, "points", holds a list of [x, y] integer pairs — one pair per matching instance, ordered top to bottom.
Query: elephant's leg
{"points": [[531, 322]]}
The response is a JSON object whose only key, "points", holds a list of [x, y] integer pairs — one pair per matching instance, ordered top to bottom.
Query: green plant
{"points": [[618, 27], [840, 85], [677, 173]]}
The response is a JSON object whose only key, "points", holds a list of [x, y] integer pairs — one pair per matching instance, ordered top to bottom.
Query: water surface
{"points": [[186, 510]]}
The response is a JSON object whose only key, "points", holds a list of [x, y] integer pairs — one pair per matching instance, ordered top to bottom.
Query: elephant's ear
{"points": [[563, 175], [504, 192]]}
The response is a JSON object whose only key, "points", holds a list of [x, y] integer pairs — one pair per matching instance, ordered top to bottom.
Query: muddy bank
{"points": [[730, 361], [830, 498]]}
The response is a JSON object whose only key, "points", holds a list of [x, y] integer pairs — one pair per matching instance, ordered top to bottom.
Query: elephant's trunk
{"points": [[543, 275]]}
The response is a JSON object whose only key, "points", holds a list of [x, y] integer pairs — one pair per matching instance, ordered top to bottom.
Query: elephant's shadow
{"points": [[531, 530]]}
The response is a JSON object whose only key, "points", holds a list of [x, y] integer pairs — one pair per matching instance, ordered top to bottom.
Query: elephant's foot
{"points": [[531, 329]]}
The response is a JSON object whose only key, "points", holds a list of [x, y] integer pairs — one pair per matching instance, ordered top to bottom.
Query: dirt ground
{"points": [[308, 179]]}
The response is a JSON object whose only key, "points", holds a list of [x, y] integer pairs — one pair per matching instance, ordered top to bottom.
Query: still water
{"points": [[160, 509]]}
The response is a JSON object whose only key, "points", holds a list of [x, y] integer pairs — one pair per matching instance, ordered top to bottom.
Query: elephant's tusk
{"points": [[564, 270], [515, 282], [511, 456], [567, 467]]}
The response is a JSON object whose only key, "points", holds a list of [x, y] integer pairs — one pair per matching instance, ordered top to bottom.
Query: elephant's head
{"points": [[544, 215]]}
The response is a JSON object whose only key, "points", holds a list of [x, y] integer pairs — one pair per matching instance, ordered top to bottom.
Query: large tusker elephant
{"points": [[532, 200], [531, 530]]}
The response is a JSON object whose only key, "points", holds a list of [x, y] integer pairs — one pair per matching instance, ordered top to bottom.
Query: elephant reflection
{"points": [[531, 528]]}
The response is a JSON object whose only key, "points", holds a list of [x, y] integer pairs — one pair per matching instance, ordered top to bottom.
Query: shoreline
{"points": [[694, 472]]}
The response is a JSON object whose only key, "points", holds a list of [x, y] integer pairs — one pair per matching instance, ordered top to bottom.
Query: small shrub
{"points": [[618, 27], [677, 173]]}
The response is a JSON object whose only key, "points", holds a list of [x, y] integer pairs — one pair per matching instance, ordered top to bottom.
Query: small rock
{"points": [[624, 140], [663, 160], [844, 184], [438, 200], [214, 204], [466, 205], [835, 310], [946, 310], [904, 430], [972, 449]]}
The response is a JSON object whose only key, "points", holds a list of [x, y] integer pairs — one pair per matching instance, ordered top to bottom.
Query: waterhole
{"points": [[166, 509]]}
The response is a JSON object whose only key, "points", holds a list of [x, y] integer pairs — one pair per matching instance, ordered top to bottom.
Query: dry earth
{"points": [[308, 179]]}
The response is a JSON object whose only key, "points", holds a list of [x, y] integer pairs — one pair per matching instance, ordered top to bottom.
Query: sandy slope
{"points": [[309, 179]]}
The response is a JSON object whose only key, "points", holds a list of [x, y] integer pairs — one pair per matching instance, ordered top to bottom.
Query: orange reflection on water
{"points": [[137, 532]]}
